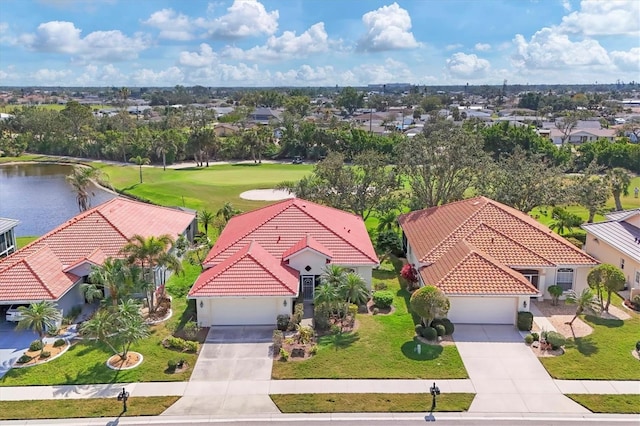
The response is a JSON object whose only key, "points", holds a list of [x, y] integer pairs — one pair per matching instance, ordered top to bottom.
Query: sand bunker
{"points": [[266, 195]]}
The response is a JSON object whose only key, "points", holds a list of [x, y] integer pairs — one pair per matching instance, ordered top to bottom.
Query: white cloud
{"points": [[566, 4], [598, 17], [245, 18], [173, 26], [388, 28], [63, 37], [288, 45], [453, 46], [482, 47], [550, 49], [206, 57], [628, 61], [468, 66], [306, 74], [107, 75], [45, 76], [163, 78]]}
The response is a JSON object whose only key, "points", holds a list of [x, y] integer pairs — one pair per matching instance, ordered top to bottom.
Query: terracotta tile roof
{"points": [[280, 226], [492, 232], [94, 235], [307, 242], [96, 257], [250, 271]]}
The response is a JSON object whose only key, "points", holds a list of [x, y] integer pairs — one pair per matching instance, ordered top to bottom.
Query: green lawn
{"points": [[23, 241], [382, 347], [603, 355], [84, 363], [370, 402], [620, 404], [94, 407]]}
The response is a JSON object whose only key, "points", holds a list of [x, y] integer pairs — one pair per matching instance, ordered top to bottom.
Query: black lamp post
{"points": [[434, 390], [124, 395]]}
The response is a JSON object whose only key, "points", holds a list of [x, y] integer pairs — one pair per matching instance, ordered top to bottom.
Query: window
{"points": [[622, 264], [564, 278]]}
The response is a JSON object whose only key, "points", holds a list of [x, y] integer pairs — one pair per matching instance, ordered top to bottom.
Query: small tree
{"points": [[140, 161], [205, 218], [410, 274], [606, 278], [555, 291], [585, 301], [429, 303], [39, 317]]}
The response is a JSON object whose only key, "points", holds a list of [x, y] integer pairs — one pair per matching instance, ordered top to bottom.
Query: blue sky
{"points": [[317, 42]]}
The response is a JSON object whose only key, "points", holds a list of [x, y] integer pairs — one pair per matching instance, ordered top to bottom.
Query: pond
{"points": [[39, 196]]}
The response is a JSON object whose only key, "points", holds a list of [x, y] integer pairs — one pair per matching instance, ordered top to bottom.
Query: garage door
{"points": [[482, 310], [250, 311]]}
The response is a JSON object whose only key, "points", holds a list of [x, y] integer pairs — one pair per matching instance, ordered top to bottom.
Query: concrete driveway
{"points": [[12, 345], [232, 374], [506, 375]]}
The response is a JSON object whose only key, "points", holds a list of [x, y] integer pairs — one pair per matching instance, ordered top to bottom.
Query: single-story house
{"points": [[580, 136], [617, 241], [8, 243], [489, 258], [265, 259], [53, 266]]}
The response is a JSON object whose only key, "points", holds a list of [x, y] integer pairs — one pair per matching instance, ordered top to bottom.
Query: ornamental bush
{"points": [[383, 298], [525, 321], [282, 322], [418, 328], [449, 328], [440, 329], [429, 333], [536, 336], [528, 339], [555, 339], [58, 343], [36, 345], [638, 346], [45, 354], [24, 359], [171, 365]]}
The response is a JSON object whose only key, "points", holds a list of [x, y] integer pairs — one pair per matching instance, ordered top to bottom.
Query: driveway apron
{"points": [[12, 345], [232, 374], [507, 376]]}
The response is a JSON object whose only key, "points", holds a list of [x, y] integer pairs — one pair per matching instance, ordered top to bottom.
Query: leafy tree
{"points": [[350, 99], [566, 125], [164, 142], [140, 161], [441, 164], [80, 179], [619, 181], [591, 191], [227, 211], [205, 217], [563, 219], [387, 221], [388, 243], [410, 274], [119, 278], [605, 278], [354, 289], [555, 291], [585, 302], [429, 303], [39, 317], [118, 328]]}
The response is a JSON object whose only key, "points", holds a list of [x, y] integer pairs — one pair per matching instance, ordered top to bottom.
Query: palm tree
{"points": [[163, 142], [140, 161], [80, 179], [619, 180], [227, 211], [205, 217], [388, 221], [169, 262], [114, 275], [333, 275], [354, 289], [326, 297], [585, 301], [39, 317]]}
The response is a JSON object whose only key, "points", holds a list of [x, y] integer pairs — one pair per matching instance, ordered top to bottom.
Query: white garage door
{"points": [[482, 310], [250, 311]]}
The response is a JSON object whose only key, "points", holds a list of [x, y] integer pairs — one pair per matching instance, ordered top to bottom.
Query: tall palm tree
{"points": [[163, 142], [140, 161], [80, 179], [619, 180], [227, 211], [205, 217], [388, 221], [169, 262], [333, 275], [115, 276], [354, 289], [326, 297], [585, 302], [39, 317]]}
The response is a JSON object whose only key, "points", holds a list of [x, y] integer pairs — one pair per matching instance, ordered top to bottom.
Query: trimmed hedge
{"points": [[383, 298], [525, 321], [440, 329], [430, 333]]}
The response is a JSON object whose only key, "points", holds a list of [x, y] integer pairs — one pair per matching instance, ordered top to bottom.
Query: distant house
{"points": [[263, 115], [224, 129], [580, 136], [617, 241], [8, 243], [489, 258], [53, 266]]}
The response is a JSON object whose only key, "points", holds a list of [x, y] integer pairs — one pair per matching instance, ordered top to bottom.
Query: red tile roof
{"points": [[279, 227], [491, 233], [92, 235], [307, 242], [250, 271]]}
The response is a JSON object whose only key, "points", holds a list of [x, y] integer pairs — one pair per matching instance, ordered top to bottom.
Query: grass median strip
{"points": [[370, 402], [619, 404], [93, 407]]}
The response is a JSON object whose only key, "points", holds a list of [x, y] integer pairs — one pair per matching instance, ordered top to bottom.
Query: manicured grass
{"points": [[23, 241], [383, 347], [603, 355], [84, 362], [370, 402], [620, 404], [73, 408]]}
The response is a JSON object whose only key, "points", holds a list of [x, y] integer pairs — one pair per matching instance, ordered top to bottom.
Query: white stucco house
{"points": [[617, 241], [265, 259], [489, 259]]}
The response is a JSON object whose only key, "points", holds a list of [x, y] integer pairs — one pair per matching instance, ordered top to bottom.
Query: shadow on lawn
{"points": [[609, 323], [340, 340], [585, 346], [427, 352]]}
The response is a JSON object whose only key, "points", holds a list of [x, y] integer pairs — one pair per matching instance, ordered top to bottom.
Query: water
{"points": [[39, 196]]}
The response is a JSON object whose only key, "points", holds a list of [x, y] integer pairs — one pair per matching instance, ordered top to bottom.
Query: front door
{"points": [[308, 284]]}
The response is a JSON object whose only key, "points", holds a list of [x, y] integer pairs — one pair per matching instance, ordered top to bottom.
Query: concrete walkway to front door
{"points": [[232, 374], [507, 376]]}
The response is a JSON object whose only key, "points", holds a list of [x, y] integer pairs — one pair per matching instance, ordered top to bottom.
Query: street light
{"points": [[434, 390], [124, 395]]}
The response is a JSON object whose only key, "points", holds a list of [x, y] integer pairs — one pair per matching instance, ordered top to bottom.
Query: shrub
{"points": [[410, 274], [380, 286], [383, 298], [636, 301], [353, 310], [376, 311], [298, 313], [321, 319], [525, 321], [282, 322], [418, 328], [449, 328], [191, 329], [335, 329], [440, 329], [53, 332], [429, 333], [305, 334], [535, 336], [278, 338], [528, 339], [555, 339], [58, 343], [181, 344], [36, 345], [191, 346], [638, 346], [313, 349], [45, 354], [284, 355], [24, 359], [171, 365]]}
